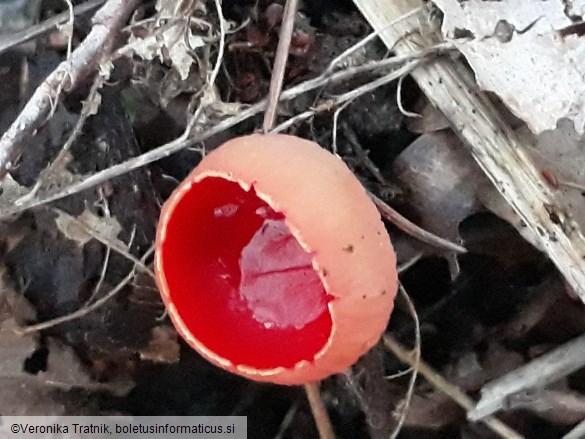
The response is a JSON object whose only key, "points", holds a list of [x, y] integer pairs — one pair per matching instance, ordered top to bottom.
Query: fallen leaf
{"points": [[174, 38], [528, 53], [92, 104], [10, 191], [88, 225], [14, 311], [43, 392]]}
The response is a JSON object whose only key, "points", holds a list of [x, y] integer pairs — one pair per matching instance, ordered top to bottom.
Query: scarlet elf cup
{"points": [[273, 262]]}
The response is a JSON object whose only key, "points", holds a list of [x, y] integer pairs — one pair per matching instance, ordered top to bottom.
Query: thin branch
{"points": [[69, 25], [10, 41], [361, 43], [98, 44], [221, 49], [277, 78], [328, 78], [334, 101], [399, 101], [301, 117], [335, 125], [352, 139], [182, 143], [496, 147], [60, 161], [412, 229], [105, 241], [105, 264], [408, 264], [100, 281], [86, 309], [416, 361], [541, 371], [399, 374], [447, 388], [319, 411], [287, 420]]}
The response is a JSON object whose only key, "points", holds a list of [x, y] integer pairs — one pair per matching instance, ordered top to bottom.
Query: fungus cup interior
{"points": [[240, 281]]}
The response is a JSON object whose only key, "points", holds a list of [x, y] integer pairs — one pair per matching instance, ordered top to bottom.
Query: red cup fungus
{"points": [[273, 262]]}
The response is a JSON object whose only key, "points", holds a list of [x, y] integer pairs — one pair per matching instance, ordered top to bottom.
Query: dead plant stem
{"points": [[277, 78], [337, 100], [412, 229], [415, 364], [319, 411]]}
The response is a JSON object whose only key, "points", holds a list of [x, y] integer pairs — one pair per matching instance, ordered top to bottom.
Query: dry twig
{"points": [[69, 27], [286, 30], [284, 39], [9, 41], [361, 43], [97, 45], [335, 101], [182, 142], [492, 142], [362, 154], [412, 229], [86, 309], [415, 364], [544, 370], [444, 386], [319, 411], [287, 420]]}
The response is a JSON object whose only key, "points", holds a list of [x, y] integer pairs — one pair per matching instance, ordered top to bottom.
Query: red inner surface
{"points": [[240, 281]]}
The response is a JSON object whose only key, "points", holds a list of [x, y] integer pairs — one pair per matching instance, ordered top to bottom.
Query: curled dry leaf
{"points": [[169, 39], [529, 53], [10, 191], [87, 225]]}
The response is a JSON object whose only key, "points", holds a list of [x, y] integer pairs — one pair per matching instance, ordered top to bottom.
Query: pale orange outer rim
{"points": [[330, 214]]}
